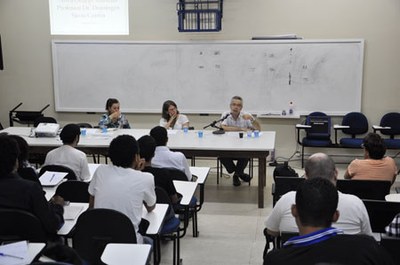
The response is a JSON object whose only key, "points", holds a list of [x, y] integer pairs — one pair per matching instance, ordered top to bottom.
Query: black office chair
{"points": [[44, 119], [391, 120], [358, 125], [318, 135], [58, 168], [283, 185], [365, 189], [74, 191], [381, 213], [17, 225], [171, 226], [96, 228], [392, 246]]}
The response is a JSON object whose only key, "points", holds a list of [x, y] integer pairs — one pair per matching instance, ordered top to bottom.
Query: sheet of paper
{"points": [[52, 178], [18, 253]]}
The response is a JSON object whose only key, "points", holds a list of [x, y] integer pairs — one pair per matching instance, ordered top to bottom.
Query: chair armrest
{"points": [[302, 126], [337, 127], [380, 128]]}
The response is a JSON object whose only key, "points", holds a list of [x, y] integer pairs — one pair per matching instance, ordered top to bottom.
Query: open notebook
{"points": [[52, 178]]}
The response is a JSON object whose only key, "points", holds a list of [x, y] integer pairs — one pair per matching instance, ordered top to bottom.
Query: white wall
{"points": [[27, 78]]}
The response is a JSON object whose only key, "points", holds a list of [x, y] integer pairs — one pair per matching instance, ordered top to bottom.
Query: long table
{"points": [[210, 145]]}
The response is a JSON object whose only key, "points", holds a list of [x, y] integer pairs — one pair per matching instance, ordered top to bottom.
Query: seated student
{"points": [[114, 118], [171, 118], [237, 120], [67, 155], [165, 158], [375, 165], [25, 169], [162, 177], [122, 186], [18, 193], [353, 214], [393, 229], [319, 243]]}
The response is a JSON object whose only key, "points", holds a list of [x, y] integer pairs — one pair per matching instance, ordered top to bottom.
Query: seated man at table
{"points": [[237, 120], [67, 155], [165, 158], [375, 165], [162, 176], [122, 186], [18, 193], [353, 214], [319, 242]]}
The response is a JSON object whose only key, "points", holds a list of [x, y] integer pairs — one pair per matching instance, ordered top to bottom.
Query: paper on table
{"points": [[52, 178], [71, 212], [18, 249]]}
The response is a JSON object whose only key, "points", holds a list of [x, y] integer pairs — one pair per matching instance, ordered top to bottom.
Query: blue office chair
{"points": [[392, 120], [358, 125], [318, 135]]}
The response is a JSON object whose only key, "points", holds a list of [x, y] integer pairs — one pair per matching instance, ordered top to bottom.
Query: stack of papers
{"points": [[52, 178], [14, 253]]}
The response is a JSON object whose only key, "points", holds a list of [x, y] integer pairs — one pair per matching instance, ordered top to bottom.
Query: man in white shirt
{"points": [[237, 120], [67, 155], [165, 158], [122, 186], [353, 217]]}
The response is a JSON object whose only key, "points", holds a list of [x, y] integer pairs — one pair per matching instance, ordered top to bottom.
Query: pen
{"points": [[51, 179], [9, 255]]}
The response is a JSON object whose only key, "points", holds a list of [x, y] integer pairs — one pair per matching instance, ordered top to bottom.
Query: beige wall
{"points": [[27, 78]]}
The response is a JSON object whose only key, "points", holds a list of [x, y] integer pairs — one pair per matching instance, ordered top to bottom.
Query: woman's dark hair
{"points": [[110, 102], [165, 108], [375, 146], [23, 149], [122, 150], [9, 153]]}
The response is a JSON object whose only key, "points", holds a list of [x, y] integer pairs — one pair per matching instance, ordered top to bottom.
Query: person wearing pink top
{"points": [[375, 165]]}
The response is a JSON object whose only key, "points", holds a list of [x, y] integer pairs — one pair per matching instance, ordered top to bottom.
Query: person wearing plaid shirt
{"points": [[393, 229]]}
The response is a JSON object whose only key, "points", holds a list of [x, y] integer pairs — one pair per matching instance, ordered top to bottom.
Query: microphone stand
{"points": [[214, 125]]}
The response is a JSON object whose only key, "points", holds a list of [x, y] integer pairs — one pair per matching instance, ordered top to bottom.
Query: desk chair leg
{"points": [[302, 156], [219, 170], [194, 220]]}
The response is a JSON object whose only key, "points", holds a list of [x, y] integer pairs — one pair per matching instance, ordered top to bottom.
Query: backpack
{"points": [[284, 171]]}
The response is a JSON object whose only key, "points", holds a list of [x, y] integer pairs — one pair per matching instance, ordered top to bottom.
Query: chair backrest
{"points": [[43, 119], [391, 119], [358, 123], [84, 125], [320, 126], [59, 168], [177, 174], [284, 185], [365, 189], [74, 191], [381, 213], [16, 225], [96, 228], [392, 246]]}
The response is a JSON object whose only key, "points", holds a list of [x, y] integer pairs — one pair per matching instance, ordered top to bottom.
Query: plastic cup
{"points": [[104, 129], [185, 129], [83, 131], [249, 133], [256, 133], [200, 134], [240, 135]]}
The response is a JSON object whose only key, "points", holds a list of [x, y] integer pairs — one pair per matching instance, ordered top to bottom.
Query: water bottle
{"points": [[103, 123]]}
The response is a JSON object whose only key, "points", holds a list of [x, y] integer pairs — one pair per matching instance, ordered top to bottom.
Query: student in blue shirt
{"points": [[114, 118]]}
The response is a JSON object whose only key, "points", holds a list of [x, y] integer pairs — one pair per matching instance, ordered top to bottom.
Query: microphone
{"points": [[213, 124]]}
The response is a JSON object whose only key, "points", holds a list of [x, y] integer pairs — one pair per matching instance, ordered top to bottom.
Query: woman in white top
{"points": [[171, 118]]}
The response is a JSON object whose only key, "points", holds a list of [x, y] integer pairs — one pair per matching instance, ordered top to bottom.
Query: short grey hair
{"points": [[320, 165]]}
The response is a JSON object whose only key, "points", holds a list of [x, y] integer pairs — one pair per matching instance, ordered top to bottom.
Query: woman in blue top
{"points": [[113, 118]]}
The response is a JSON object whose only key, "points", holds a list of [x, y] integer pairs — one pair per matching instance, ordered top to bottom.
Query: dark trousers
{"points": [[231, 167]]}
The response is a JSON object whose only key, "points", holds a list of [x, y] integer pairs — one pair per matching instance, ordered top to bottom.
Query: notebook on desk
{"points": [[52, 178]]}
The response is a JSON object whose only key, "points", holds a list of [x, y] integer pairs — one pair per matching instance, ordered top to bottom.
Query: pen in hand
{"points": [[9, 255]]}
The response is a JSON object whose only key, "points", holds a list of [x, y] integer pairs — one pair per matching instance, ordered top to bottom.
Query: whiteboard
{"points": [[201, 77]]}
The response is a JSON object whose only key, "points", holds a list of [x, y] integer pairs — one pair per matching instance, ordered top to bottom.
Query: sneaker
{"points": [[245, 177], [236, 181]]}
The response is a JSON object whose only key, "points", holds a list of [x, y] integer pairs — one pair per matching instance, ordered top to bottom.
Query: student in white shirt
{"points": [[67, 155], [165, 158]]}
